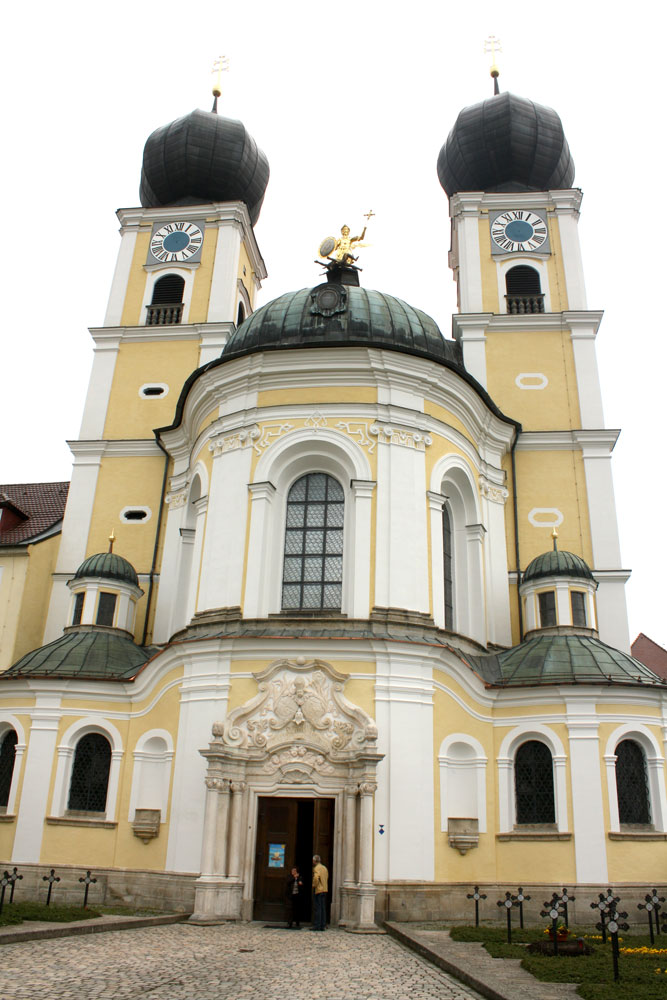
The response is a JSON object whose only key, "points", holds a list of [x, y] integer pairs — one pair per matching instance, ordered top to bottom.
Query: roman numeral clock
{"points": [[519, 230], [175, 243]]}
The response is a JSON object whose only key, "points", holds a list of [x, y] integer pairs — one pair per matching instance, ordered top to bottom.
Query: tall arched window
{"points": [[524, 293], [167, 303], [240, 315], [448, 565], [313, 566], [7, 756], [90, 774], [534, 783], [634, 803]]}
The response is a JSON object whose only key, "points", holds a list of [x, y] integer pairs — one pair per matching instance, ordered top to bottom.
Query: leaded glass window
{"points": [[448, 557], [313, 567], [547, 603], [578, 603], [78, 608], [106, 608], [7, 756], [90, 774], [534, 783], [634, 803]]}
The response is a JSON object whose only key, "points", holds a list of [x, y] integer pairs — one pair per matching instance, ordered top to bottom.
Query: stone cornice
{"points": [[567, 201], [582, 323], [109, 337], [603, 439], [121, 448]]}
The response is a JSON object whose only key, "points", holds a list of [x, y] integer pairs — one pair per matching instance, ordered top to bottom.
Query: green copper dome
{"points": [[342, 315], [556, 563], [108, 565], [90, 653], [561, 659]]}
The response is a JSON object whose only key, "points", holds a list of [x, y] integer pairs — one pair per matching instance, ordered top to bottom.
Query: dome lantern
{"points": [[105, 591], [558, 593]]}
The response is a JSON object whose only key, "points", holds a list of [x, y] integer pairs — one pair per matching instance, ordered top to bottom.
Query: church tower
{"points": [[187, 273], [528, 336]]}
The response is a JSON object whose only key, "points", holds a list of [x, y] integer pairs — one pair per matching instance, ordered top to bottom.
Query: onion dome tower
{"points": [[506, 143], [203, 158]]}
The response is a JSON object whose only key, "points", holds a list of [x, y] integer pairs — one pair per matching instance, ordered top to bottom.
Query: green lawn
{"points": [[16, 913], [594, 974]]}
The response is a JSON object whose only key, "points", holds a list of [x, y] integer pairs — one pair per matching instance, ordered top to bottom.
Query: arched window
{"points": [[524, 293], [167, 303], [240, 316], [313, 566], [448, 566], [7, 756], [90, 774], [534, 783], [634, 803]]}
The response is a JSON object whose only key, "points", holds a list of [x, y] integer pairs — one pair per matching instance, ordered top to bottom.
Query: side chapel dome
{"points": [[506, 143], [200, 158], [557, 563], [109, 566]]}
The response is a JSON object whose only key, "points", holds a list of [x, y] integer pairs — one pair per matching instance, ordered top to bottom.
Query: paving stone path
{"points": [[227, 962]]}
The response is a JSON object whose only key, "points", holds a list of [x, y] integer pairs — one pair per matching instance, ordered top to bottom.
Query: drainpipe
{"points": [[517, 557], [151, 578]]}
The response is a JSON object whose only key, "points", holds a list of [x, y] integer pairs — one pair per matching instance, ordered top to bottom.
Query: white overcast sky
{"points": [[351, 103]]}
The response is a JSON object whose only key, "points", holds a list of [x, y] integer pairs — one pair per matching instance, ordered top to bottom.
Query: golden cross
{"points": [[492, 45], [220, 66], [369, 215], [112, 539]]}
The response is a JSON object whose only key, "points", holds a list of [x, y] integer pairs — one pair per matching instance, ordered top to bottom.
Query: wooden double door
{"points": [[289, 832]]}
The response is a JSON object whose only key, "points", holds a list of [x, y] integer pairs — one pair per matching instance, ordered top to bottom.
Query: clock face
{"points": [[518, 230], [177, 241]]}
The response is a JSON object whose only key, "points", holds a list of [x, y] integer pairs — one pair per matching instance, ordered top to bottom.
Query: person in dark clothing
{"points": [[293, 892]]}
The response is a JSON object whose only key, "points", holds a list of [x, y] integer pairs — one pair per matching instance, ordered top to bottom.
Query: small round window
{"points": [[153, 390], [135, 515]]}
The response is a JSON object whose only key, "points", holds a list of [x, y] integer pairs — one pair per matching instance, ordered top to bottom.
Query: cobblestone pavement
{"points": [[227, 962]]}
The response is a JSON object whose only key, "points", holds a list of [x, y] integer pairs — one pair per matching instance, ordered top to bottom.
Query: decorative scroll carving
{"points": [[315, 421], [358, 429], [269, 434], [388, 434], [232, 442], [492, 491], [175, 500], [299, 705], [298, 760], [367, 788]]}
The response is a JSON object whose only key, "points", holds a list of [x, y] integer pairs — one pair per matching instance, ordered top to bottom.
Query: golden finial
{"points": [[491, 46], [220, 66], [554, 535], [112, 539]]}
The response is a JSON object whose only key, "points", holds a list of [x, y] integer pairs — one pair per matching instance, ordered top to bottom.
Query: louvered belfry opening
{"points": [[524, 293], [166, 305]]}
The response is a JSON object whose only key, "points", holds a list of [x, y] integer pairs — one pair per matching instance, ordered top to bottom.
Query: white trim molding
{"points": [[65, 759], [505, 762]]}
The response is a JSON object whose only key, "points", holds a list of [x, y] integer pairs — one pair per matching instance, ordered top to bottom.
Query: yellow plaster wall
{"points": [[248, 278], [136, 285], [201, 289], [548, 352], [317, 394], [438, 412], [130, 415], [553, 479], [12, 584], [36, 594]]}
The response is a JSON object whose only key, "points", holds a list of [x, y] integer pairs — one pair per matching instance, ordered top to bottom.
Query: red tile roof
{"points": [[42, 503], [650, 654]]}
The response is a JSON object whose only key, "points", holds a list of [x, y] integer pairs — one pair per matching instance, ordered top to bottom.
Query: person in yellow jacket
{"points": [[320, 886]]}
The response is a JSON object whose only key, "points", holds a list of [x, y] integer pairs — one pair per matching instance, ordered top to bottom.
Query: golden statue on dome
{"points": [[342, 249]]}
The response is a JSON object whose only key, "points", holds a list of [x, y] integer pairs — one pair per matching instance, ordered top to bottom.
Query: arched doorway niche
{"points": [[298, 737]]}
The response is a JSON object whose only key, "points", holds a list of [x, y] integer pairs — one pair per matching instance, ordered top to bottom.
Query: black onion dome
{"points": [[506, 143], [202, 158], [333, 315], [557, 563], [107, 565]]}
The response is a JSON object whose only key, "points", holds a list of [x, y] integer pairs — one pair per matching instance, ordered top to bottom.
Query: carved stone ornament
{"points": [[388, 434], [232, 442], [492, 491], [175, 500], [299, 717]]}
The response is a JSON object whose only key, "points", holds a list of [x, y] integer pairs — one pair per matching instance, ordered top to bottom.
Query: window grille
{"points": [[167, 304], [448, 566], [313, 567], [547, 602], [578, 603], [78, 608], [105, 609], [7, 757], [90, 774], [534, 784], [634, 804]]}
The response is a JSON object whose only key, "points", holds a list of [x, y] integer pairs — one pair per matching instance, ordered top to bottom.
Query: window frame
{"points": [[322, 555], [65, 758], [655, 771], [506, 791]]}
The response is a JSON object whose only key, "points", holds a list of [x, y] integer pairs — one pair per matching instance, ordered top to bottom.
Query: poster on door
{"points": [[276, 855]]}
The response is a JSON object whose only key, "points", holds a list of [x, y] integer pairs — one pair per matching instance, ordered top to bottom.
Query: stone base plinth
{"points": [[217, 899], [357, 908]]}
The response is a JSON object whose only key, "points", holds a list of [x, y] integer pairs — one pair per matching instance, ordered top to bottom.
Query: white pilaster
{"points": [[567, 204], [464, 210], [225, 270], [121, 276], [583, 330], [470, 331], [99, 388], [362, 492], [436, 501], [222, 562], [255, 604], [476, 608], [498, 623], [45, 719], [221, 832], [590, 846], [234, 865]]}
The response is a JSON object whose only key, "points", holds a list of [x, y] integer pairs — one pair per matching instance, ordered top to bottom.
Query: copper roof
{"points": [[43, 505]]}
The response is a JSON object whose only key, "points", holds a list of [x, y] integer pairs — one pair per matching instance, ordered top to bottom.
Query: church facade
{"points": [[365, 598]]}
